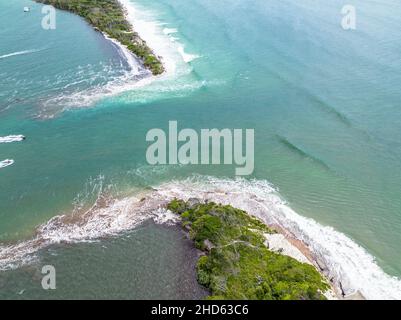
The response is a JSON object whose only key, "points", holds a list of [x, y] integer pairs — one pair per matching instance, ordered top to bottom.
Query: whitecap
{"points": [[169, 31], [186, 56], [12, 138], [6, 163]]}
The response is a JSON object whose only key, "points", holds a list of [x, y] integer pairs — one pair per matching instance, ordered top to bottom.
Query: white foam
{"points": [[149, 29], [169, 31], [159, 39], [174, 39], [18, 53], [186, 56], [129, 57], [135, 76], [138, 80], [12, 138], [6, 163], [101, 220], [345, 261]]}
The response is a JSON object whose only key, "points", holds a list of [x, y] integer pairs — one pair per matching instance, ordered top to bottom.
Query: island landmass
{"points": [[109, 17], [235, 261]]}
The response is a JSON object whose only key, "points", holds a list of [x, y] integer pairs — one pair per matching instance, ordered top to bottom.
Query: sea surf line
{"points": [[137, 84], [347, 264]]}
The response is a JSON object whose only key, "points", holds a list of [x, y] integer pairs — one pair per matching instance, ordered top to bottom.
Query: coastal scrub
{"points": [[108, 16], [236, 263]]}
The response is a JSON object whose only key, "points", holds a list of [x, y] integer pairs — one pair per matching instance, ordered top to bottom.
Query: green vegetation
{"points": [[109, 17], [237, 264]]}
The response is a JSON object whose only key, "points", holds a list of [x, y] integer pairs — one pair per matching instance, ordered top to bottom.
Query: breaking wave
{"points": [[187, 57], [136, 77], [12, 138], [6, 163], [107, 217], [348, 265]]}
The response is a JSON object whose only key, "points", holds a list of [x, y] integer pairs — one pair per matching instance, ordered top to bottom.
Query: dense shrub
{"points": [[108, 16], [239, 265]]}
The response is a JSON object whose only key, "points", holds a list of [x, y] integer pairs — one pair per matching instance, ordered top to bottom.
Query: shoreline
{"points": [[124, 33], [171, 52], [289, 244], [239, 248], [326, 249], [350, 262], [351, 269]]}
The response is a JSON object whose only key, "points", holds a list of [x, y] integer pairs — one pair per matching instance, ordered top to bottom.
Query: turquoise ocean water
{"points": [[324, 103]]}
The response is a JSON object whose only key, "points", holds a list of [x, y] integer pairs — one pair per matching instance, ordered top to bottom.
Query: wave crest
{"points": [[12, 138]]}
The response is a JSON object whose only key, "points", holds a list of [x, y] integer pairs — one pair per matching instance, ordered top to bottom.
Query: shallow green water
{"points": [[324, 104], [142, 264]]}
